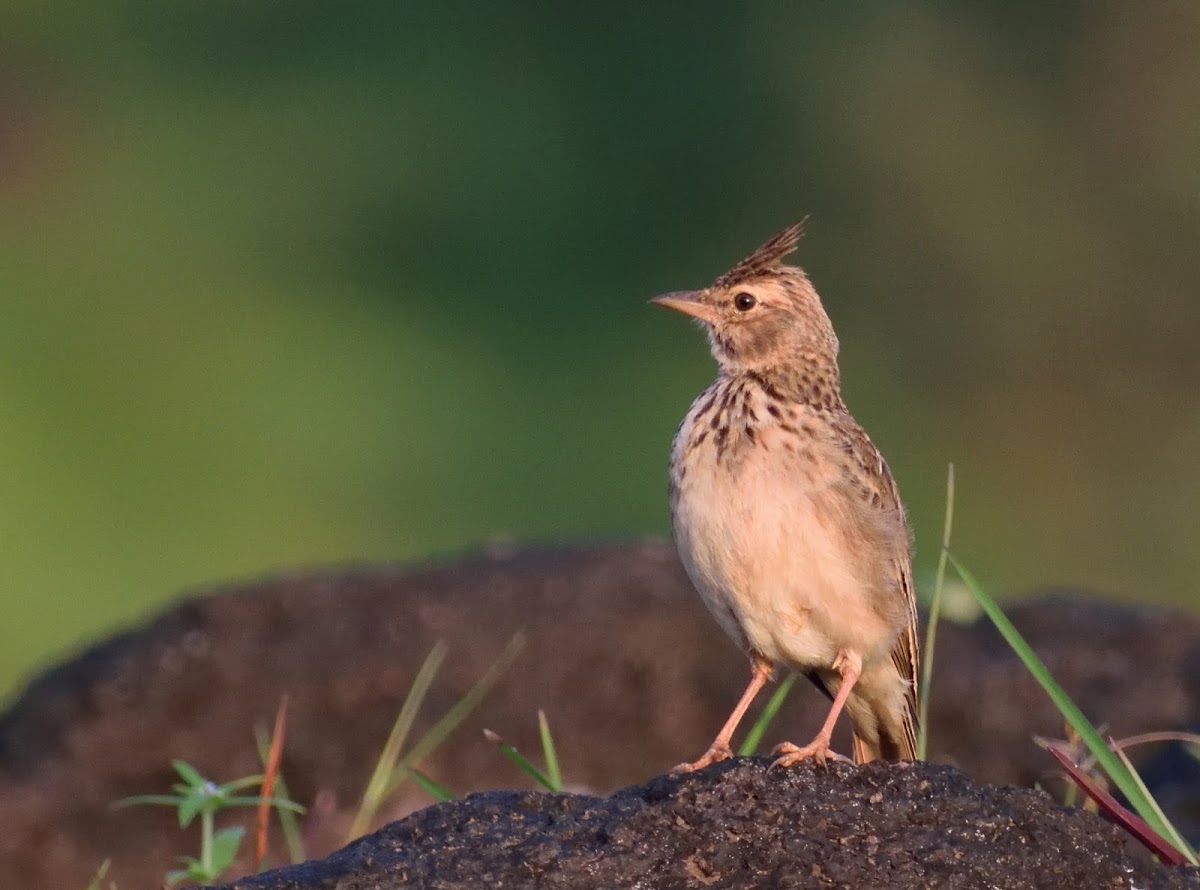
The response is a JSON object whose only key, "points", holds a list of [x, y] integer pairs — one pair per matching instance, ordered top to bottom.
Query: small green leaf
{"points": [[188, 773], [190, 807], [225, 845], [193, 870], [197, 872]]}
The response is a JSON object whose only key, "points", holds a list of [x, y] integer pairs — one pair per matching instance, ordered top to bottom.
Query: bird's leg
{"points": [[849, 664], [719, 750]]}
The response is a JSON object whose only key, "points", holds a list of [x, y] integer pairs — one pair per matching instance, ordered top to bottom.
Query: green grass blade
{"points": [[935, 612], [458, 713], [754, 736], [1107, 760], [522, 762], [385, 767], [552, 771], [431, 787], [1173, 836], [293, 838], [98, 879]]}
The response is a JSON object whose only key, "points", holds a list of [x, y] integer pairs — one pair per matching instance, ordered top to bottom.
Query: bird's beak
{"points": [[689, 303]]}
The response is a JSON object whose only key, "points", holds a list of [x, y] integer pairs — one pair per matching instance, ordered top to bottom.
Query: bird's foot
{"points": [[818, 750], [715, 754]]}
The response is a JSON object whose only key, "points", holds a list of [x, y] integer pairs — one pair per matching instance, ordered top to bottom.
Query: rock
{"points": [[629, 667], [631, 670], [738, 825]]}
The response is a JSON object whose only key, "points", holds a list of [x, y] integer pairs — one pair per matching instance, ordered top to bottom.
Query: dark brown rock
{"points": [[633, 673], [737, 825]]}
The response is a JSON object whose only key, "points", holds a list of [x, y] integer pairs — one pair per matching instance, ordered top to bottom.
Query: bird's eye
{"points": [[744, 302]]}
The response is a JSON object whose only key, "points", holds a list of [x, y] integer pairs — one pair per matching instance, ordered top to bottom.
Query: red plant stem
{"points": [[268, 783], [1131, 822]]}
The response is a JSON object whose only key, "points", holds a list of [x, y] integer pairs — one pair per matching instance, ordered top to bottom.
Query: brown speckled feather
{"points": [[879, 489]]}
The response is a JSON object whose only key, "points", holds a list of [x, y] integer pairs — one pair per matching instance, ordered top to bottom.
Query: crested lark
{"points": [[786, 516]]}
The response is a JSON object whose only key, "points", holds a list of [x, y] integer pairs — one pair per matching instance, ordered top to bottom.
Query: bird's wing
{"points": [[876, 486]]}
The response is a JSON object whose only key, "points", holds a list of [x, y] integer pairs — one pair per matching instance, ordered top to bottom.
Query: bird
{"points": [[786, 516]]}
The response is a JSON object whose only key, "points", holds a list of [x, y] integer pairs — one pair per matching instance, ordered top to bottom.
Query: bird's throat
{"points": [[814, 383]]}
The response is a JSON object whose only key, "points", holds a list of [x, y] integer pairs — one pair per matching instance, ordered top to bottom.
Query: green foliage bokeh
{"points": [[294, 283]]}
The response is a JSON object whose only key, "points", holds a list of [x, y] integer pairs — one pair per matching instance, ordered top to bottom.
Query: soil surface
{"points": [[633, 673], [738, 825]]}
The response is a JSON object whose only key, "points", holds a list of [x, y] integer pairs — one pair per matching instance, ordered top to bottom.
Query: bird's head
{"points": [[762, 314]]}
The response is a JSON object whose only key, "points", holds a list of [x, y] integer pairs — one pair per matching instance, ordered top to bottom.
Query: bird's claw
{"points": [[817, 750], [715, 754]]}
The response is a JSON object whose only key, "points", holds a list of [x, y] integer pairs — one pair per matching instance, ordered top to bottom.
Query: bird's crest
{"points": [[766, 258]]}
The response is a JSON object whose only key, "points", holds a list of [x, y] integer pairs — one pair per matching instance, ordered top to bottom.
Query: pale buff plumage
{"points": [[785, 514]]}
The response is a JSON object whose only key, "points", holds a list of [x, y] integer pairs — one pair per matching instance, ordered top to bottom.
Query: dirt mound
{"points": [[632, 671], [738, 825]]}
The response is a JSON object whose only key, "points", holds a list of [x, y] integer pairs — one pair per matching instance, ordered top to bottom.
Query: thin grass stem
{"points": [[935, 613], [461, 709], [758, 730], [548, 752], [385, 767], [1172, 836]]}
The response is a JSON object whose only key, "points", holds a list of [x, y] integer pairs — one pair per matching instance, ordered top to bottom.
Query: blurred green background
{"points": [[286, 284]]}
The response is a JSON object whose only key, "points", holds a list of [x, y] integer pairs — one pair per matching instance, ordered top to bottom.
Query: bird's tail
{"points": [[883, 711]]}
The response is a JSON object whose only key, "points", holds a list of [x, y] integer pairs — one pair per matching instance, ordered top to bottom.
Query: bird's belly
{"points": [[777, 567]]}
